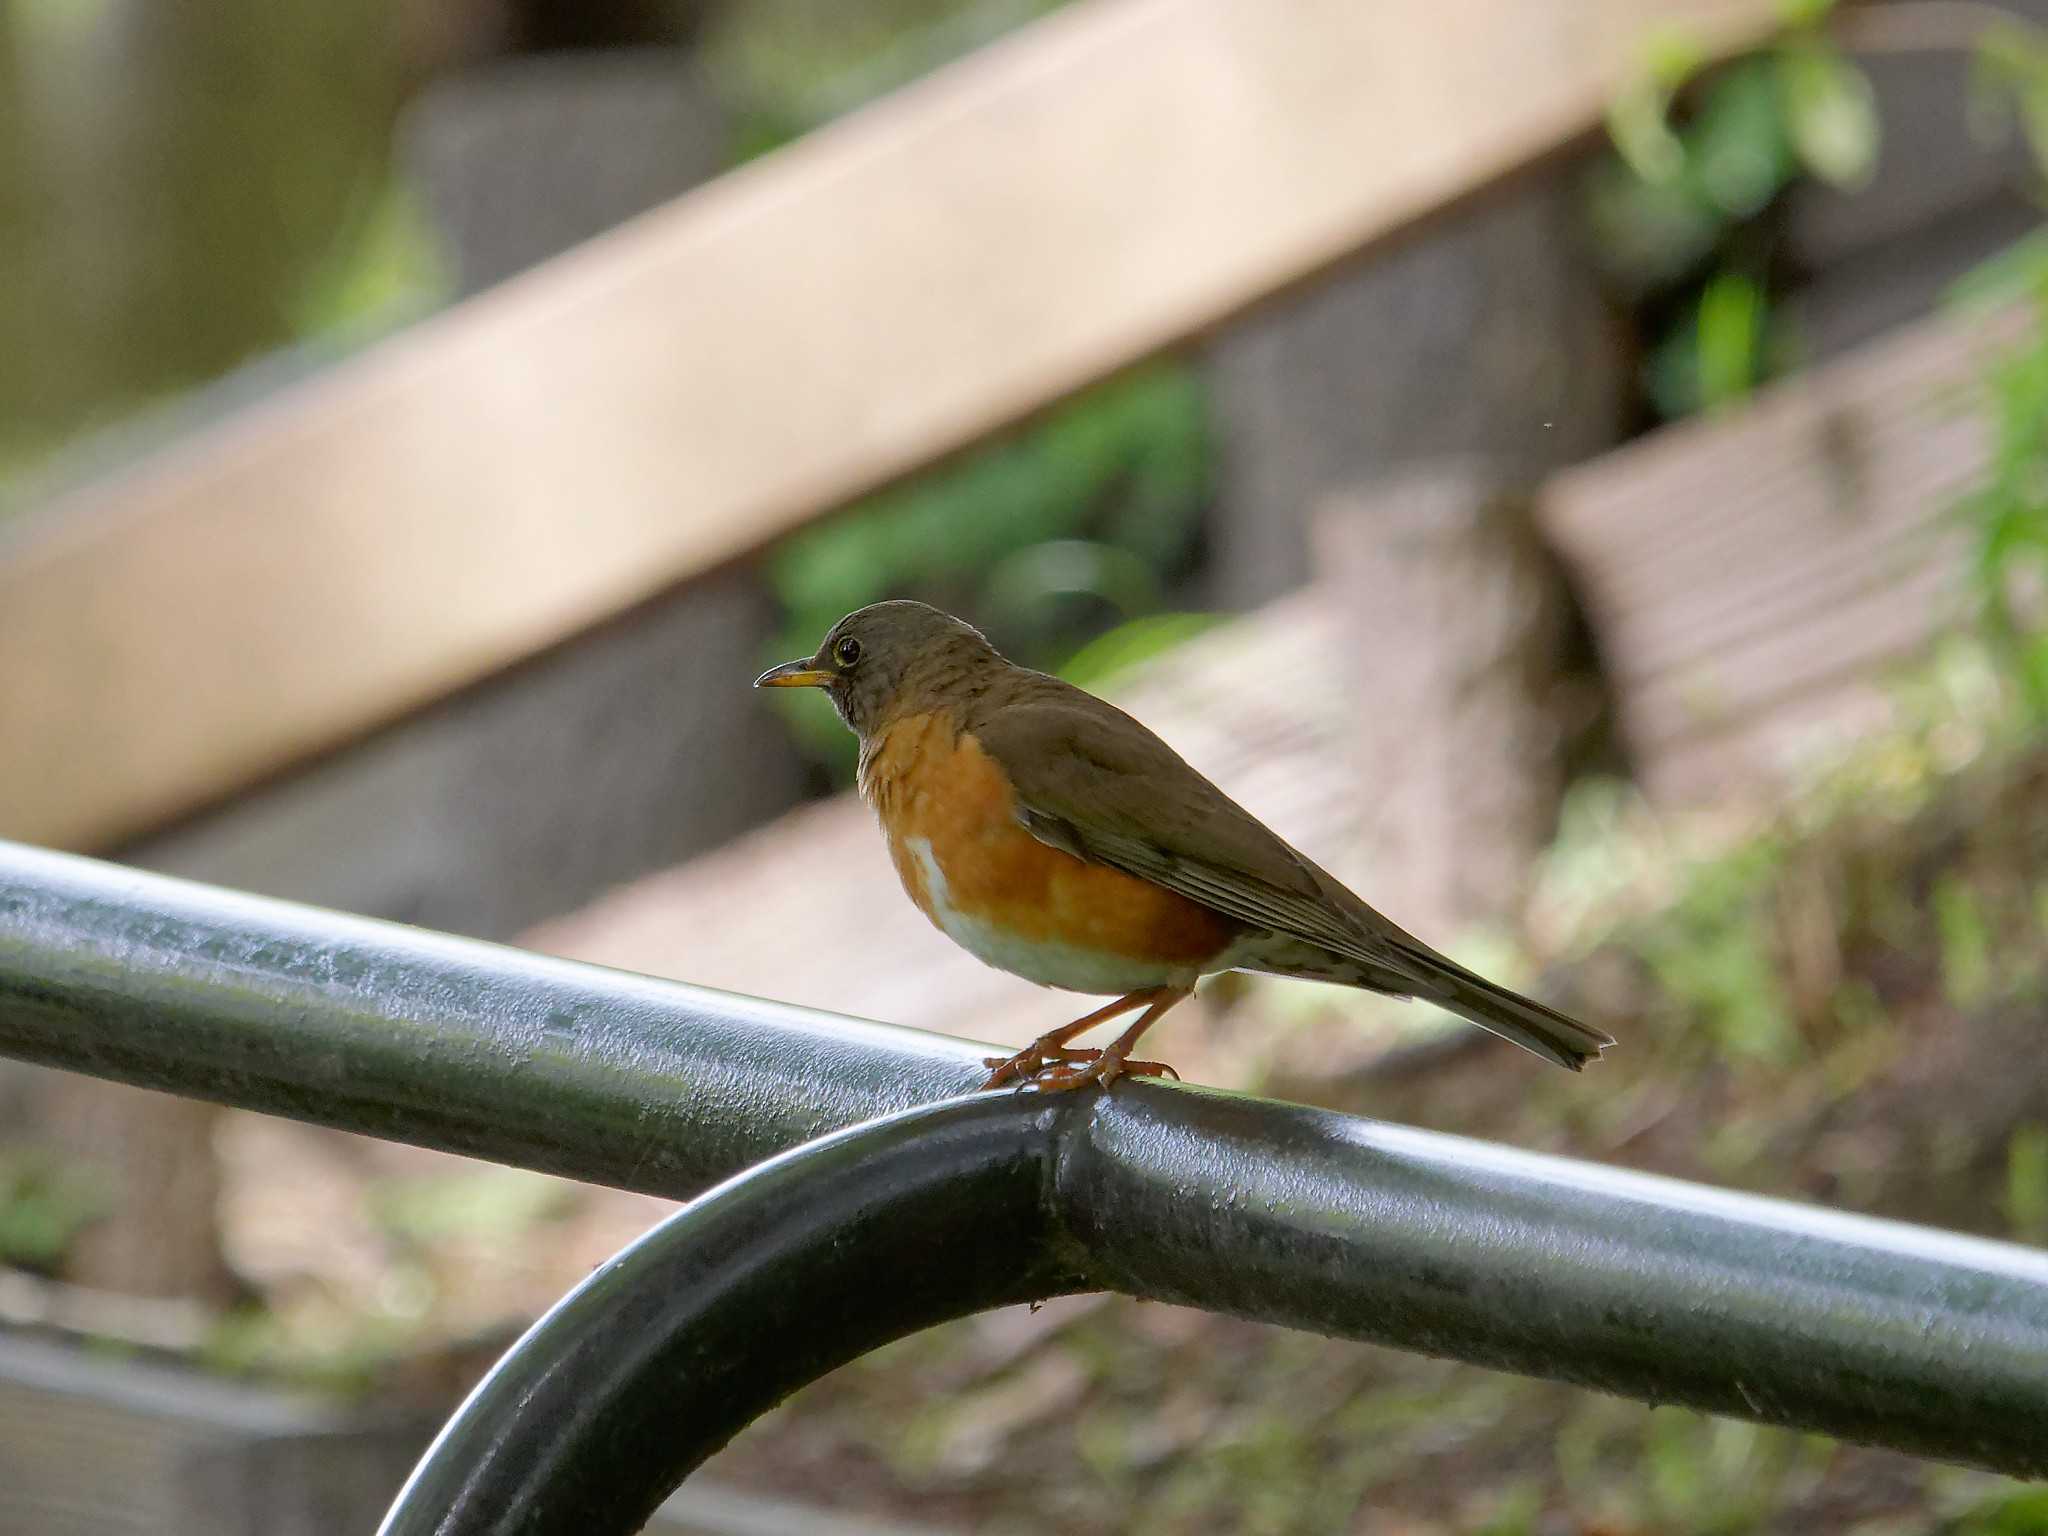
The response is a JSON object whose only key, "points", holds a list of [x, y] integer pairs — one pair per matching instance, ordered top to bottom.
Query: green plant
{"points": [[786, 67], [1682, 208], [1680, 212], [2007, 513], [1075, 525], [1966, 943], [1715, 955], [2026, 1182], [486, 1203], [44, 1204], [2023, 1512]]}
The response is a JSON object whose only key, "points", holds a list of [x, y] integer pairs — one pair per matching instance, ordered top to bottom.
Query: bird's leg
{"points": [[1052, 1046], [1114, 1060]]}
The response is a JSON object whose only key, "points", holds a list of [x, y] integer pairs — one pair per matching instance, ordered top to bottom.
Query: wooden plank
{"points": [[681, 390], [1753, 580], [1453, 637], [625, 749], [94, 1443]]}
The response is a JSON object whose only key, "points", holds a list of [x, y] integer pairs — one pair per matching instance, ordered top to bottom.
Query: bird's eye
{"points": [[847, 651]]}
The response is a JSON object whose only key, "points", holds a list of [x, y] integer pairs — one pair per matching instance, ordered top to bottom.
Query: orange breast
{"points": [[943, 801]]}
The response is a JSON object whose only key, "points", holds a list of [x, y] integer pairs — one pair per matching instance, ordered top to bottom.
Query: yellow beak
{"points": [[796, 674]]}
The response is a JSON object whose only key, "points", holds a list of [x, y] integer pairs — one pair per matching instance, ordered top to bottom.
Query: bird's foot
{"points": [[1035, 1058], [1106, 1067]]}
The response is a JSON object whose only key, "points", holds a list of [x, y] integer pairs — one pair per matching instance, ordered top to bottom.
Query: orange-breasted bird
{"points": [[1053, 836]]}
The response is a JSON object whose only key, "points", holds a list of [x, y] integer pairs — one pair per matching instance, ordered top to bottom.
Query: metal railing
{"points": [[1669, 1292]]}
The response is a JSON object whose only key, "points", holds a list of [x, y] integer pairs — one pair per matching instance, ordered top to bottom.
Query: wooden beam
{"points": [[678, 392], [1756, 580]]}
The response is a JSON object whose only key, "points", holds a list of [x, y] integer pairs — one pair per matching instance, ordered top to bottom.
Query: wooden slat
{"points": [[676, 393], [1753, 580], [93, 1442]]}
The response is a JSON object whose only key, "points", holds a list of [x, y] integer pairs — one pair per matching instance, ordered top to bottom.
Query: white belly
{"points": [[1045, 961]]}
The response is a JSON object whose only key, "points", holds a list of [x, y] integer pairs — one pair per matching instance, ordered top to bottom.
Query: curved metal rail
{"points": [[1655, 1289], [675, 1345]]}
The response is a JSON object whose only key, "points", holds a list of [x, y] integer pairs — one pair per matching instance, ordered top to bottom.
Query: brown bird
{"points": [[1053, 836]]}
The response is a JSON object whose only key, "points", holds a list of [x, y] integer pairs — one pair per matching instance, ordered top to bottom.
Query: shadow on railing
{"points": [[1669, 1292]]}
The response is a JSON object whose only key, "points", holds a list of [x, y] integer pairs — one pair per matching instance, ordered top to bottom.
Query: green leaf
{"points": [[1805, 15], [1673, 55], [1830, 113], [1639, 117], [1639, 124], [1739, 149], [1648, 233], [392, 270], [2018, 272], [1731, 323], [1129, 644], [1965, 943], [1712, 956], [2026, 1182], [45, 1203], [498, 1203], [2019, 1513]]}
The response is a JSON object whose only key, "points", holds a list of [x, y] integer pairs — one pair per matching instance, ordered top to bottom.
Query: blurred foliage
{"points": [[786, 67], [1682, 206], [1680, 210], [161, 230], [391, 270], [2007, 513], [1079, 523], [1132, 644], [1718, 954], [2026, 1183], [45, 1202], [480, 1202], [442, 1240], [260, 1344], [2021, 1514]]}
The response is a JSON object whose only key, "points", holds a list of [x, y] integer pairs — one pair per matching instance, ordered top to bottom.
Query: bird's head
{"points": [[888, 660]]}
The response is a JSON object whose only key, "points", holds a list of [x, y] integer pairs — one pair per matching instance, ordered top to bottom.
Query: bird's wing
{"points": [[1094, 782]]}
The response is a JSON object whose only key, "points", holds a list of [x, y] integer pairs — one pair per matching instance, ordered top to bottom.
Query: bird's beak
{"points": [[796, 674]]}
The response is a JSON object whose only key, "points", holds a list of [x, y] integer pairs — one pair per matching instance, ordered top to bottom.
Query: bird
{"points": [[1054, 836]]}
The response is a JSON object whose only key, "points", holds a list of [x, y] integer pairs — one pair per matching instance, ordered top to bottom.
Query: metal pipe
{"points": [[420, 1037], [1649, 1287], [1654, 1289], [1727, 1302], [672, 1347]]}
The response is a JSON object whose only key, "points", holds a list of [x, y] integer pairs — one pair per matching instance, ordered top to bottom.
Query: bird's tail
{"points": [[1552, 1035]]}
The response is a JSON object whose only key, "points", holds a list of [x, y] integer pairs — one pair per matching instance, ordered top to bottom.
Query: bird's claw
{"points": [[1034, 1059], [1063, 1068], [1106, 1069]]}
